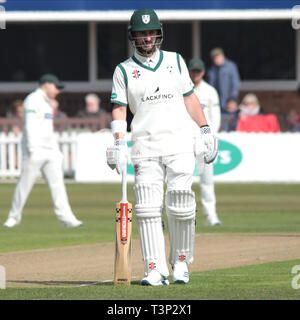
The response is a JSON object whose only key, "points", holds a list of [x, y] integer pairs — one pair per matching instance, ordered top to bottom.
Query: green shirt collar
{"points": [[154, 61]]}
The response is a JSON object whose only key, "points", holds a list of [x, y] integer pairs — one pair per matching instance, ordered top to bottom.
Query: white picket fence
{"points": [[11, 153]]}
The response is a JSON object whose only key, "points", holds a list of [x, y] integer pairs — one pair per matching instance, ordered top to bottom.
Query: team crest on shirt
{"points": [[146, 18], [136, 74]]}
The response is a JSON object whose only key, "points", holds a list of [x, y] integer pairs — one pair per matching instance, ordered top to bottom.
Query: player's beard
{"points": [[147, 52]]}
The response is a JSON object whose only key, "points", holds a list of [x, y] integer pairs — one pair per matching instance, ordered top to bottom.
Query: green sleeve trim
{"points": [[178, 62], [124, 74], [188, 93], [119, 103]]}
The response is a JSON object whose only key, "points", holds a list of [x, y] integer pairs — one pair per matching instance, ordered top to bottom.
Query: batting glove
{"points": [[211, 142], [117, 156]]}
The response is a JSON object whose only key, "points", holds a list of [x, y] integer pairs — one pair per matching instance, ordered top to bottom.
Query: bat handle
{"points": [[124, 185]]}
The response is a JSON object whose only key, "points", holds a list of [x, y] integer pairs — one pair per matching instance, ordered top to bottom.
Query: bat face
{"points": [[122, 274]]}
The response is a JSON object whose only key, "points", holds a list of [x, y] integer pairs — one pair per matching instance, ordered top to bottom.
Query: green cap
{"points": [[143, 20], [215, 52], [196, 64], [51, 78]]}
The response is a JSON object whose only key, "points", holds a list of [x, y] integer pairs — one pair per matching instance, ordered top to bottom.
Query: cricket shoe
{"points": [[212, 221], [11, 222], [72, 223], [180, 272], [154, 278]]}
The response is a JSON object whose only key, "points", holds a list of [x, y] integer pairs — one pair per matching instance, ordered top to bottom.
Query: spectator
{"points": [[224, 76], [250, 105], [92, 106], [17, 110], [93, 110], [17, 114], [58, 114], [229, 119], [251, 119], [293, 119]]}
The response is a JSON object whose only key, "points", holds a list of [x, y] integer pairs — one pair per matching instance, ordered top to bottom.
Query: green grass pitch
{"points": [[246, 208]]}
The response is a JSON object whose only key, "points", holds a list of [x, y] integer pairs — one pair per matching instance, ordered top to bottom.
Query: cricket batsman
{"points": [[156, 86], [210, 103], [41, 154]]}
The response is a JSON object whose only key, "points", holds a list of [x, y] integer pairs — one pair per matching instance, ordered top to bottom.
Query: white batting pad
{"points": [[149, 200], [181, 204], [148, 209], [181, 211], [152, 244]]}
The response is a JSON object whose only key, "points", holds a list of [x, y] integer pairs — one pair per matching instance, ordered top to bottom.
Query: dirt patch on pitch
{"points": [[90, 264]]}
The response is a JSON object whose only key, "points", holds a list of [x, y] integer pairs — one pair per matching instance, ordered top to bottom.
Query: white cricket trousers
{"points": [[49, 163], [150, 177], [208, 197]]}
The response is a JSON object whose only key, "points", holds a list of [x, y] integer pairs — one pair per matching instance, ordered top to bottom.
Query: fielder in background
{"points": [[156, 86], [209, 99], [41, 154]]}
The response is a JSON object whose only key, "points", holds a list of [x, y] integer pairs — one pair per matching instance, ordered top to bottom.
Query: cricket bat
{"points": [[122, 268]]}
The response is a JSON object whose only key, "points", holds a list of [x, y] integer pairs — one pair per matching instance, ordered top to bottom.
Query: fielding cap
{"points": [[196, 64], [51, 78]]}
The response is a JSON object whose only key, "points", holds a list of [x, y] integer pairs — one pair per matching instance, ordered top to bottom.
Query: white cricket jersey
{"points": [[154, 89], [210, 103], [38, 133]]}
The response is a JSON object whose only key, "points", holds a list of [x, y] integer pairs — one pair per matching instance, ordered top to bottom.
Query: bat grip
{"points": [[124, 185]]}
